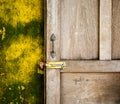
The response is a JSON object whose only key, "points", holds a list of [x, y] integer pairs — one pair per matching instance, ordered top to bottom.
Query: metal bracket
{"points": [[53, 65]]}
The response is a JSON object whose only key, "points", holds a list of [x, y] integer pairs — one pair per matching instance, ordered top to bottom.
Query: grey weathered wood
{"points": [[52, 21], [53, 26], [79, 29], [105, 29], [116, 29], [92, 66], [82, 82], [53, 86], [90, 88]]}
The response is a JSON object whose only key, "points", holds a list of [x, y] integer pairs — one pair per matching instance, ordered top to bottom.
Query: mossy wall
{"points": [[21, 49]]}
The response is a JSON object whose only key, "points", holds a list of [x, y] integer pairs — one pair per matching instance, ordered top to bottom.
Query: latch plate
{"points": [[58, 65]]}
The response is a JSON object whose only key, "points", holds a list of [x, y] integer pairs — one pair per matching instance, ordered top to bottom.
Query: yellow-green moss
{"points": [[15, 11], [21, 48], [28, 52]]}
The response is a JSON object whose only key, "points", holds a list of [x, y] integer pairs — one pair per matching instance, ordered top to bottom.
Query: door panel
{"points": [[79, 29], [116, 30], [83, 41], [92, 88]]}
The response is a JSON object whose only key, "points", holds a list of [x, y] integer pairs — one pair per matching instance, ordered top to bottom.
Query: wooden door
{"points": [[87, 40]]}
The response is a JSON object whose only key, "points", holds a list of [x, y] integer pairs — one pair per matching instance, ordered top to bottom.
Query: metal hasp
{"points": [[55, 65]]}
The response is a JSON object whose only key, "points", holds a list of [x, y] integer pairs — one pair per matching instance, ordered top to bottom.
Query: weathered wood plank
{"points": [[52, 21], [52, 26], [79, 29], [105, 29], [116, 29], [92, 66], [53, 86], [90, 88]]}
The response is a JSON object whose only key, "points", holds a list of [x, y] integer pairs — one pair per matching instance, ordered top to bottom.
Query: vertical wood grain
{"points": [[53, 26], [79, 29], [105, 29], [116, 29], [52, 75], [52, 86]]}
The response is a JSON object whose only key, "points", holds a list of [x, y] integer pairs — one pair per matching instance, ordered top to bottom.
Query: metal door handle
{"points": [[53, 53]]}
